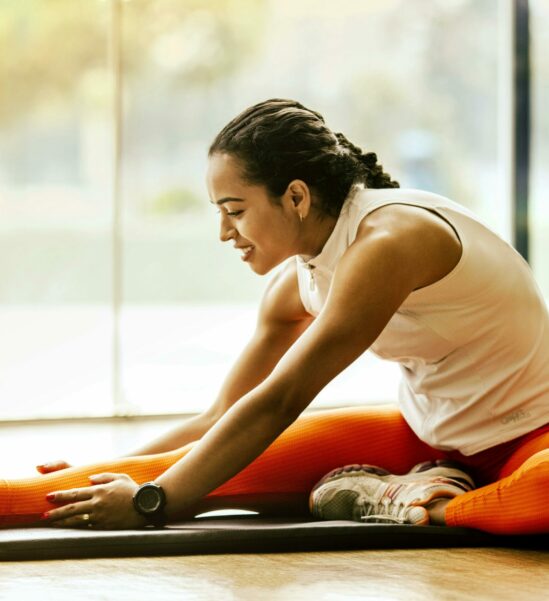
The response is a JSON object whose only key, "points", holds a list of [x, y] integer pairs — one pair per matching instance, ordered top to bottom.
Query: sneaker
{"points": [[369, 493]]}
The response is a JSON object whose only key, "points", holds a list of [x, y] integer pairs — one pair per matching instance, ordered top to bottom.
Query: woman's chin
{"points": [[261, 268]]}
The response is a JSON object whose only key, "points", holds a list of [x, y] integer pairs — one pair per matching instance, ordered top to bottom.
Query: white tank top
{"points": [[473, 347]]}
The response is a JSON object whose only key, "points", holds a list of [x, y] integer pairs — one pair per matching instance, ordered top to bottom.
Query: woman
{"points": [[413, 276]]}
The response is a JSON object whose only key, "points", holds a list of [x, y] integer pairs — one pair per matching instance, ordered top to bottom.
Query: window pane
{"points": [[414, 82], [539, 180], [55, 209]]}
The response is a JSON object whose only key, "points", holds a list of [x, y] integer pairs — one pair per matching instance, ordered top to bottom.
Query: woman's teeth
{"points": [[246, 250]]}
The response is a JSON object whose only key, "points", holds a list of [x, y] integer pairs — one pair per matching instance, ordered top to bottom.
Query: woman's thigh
{"points": [[320, 441]]}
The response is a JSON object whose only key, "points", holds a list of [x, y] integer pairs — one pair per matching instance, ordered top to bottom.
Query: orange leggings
{"points": [[513, 477]]}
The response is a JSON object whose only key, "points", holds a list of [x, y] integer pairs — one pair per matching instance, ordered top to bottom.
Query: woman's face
{"points": [[264, 234]]}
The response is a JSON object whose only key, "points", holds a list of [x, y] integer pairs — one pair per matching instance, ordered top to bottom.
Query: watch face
{"points": [[149, 500]]}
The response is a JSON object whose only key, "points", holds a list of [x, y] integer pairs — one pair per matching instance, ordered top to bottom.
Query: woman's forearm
{"points": [[191, 429], [241, 435]]}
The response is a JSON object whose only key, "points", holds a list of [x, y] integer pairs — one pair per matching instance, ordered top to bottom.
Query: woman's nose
{"points": [[226, 231]]}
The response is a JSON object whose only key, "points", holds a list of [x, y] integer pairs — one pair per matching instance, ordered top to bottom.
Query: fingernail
{"points": [[50, 496], [45, 516]]}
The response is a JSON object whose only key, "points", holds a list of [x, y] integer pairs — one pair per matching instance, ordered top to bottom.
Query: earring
{"points": [[300, 218]]}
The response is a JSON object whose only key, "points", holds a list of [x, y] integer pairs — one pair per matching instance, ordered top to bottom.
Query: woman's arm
{"points": [[395, 253], [372, 279], [282, 319]]}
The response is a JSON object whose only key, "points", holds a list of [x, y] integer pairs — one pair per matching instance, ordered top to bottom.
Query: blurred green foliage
{"points": [[57, 44], [174, 200]]}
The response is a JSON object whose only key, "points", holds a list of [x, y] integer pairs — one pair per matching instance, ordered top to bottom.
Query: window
{"points": [[539, 180], [55, 209], [146, 313]]}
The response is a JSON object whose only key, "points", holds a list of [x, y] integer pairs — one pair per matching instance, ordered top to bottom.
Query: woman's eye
{"points": [[230, 213]]}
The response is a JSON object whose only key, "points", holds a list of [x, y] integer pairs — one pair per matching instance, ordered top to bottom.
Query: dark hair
{"points": [[279, 140]]}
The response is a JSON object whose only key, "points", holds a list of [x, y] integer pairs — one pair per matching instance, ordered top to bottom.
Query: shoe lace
{"points": [[385, 509]]}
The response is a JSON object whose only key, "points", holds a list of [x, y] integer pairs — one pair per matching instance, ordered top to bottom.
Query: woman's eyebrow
{"points": [[227, 199]]}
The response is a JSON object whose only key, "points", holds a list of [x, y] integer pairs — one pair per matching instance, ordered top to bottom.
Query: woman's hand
{"points": [[53, 466], [107, 505]]}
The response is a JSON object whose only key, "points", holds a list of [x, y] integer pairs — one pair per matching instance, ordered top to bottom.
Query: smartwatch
{"points": [[149, 501]]}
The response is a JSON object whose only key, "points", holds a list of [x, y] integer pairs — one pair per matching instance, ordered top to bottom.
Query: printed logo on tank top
{"points": [[515, 416]]}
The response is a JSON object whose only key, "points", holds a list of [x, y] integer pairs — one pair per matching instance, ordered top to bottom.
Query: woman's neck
{"points": [[315, 233]]}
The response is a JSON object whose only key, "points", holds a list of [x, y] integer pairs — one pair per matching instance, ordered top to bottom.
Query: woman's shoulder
{"points": [[430, 241]]}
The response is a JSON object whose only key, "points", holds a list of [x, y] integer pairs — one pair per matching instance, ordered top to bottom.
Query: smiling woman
{"points": [[253, 167], [267, 232], [412, 275]]}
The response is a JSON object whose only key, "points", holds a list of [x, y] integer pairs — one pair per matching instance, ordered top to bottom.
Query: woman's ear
{"points": [[299, 195]]}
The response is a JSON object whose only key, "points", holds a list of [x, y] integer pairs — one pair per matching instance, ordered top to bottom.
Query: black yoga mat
{"points": [[243, 534]]}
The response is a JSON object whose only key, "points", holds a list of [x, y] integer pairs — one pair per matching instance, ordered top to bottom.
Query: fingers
{"points": [[52, 466], [106, 478], [70, 496], [76, 503], [109, 505], [76, 508], [72, 515], [83, 520]]}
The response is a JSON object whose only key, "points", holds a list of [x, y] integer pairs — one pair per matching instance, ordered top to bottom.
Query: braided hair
{"points": [[277, 141]]}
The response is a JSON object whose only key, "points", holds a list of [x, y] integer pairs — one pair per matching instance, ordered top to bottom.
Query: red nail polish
{"points": [[50, 496], [45, 516]]}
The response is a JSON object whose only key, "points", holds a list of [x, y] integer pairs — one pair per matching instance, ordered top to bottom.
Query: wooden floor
{"points": [[442, 574], [426, 575]]}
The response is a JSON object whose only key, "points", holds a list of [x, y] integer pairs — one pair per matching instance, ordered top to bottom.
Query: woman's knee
{"points": [[525, 453], [538, 461]]}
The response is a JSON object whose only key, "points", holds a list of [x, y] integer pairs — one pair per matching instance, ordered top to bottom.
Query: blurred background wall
{"points": [[116, 296]]}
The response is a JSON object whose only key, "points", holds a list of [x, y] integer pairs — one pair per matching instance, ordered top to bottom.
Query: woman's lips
{"points": [[246, 252]]}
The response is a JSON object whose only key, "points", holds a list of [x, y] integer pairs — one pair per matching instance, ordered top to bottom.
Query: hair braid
{"points": [[277, 141], [372, 172]]}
